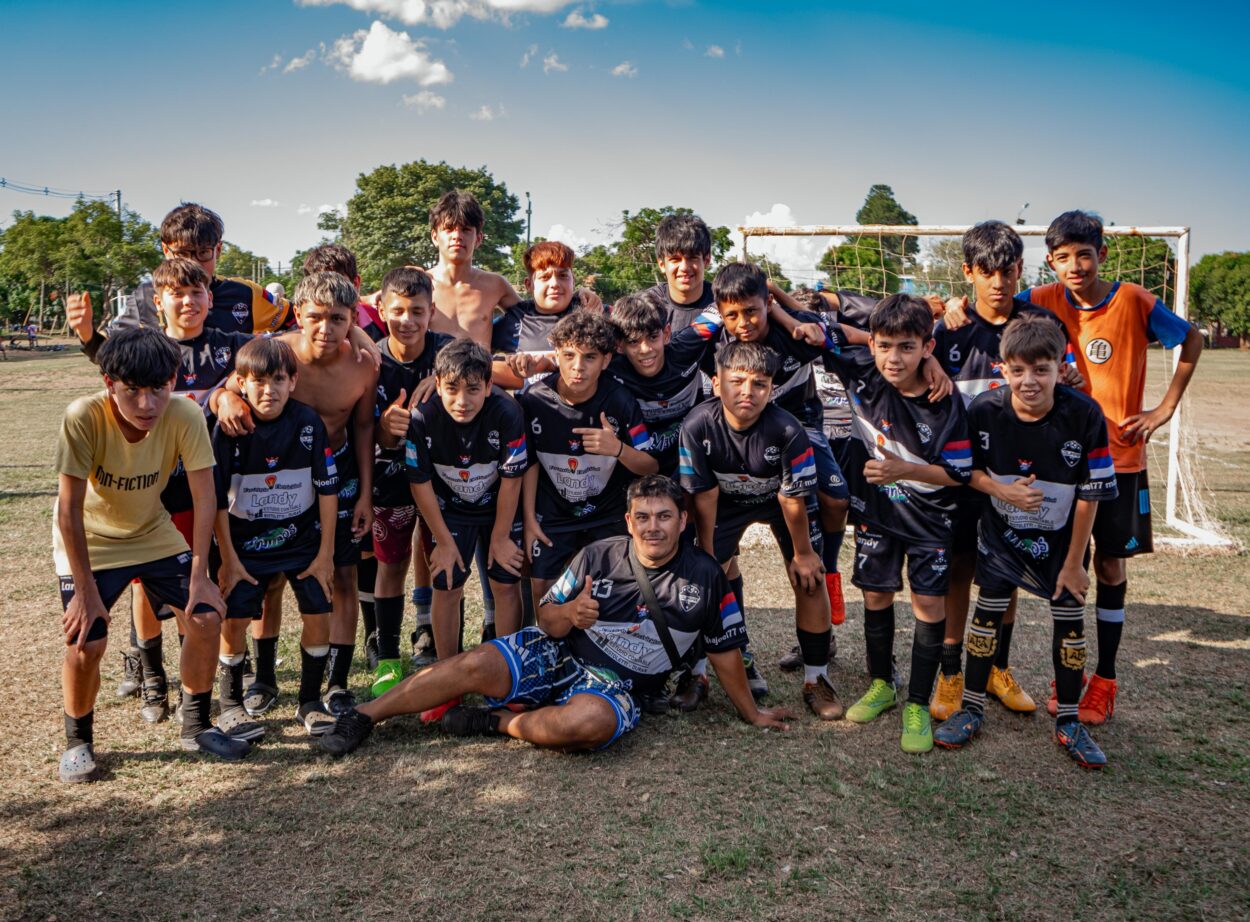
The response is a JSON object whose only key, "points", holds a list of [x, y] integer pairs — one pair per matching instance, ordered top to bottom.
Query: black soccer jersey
{"points": [[240, 306], [855, 308], [679, 316], [522, 328], [970, 354], [794, 386], [667, 396], [834, 405], [911, 428], [1067, 452], [465, 460], [751, 466], [269, 481], [390, 485], [577, 489], [692, 590]]}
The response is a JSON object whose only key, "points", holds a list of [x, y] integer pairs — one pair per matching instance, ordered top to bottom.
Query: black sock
{"points": [[830, 549], [366, 578], [735, 586], [1109, 609], [390, 612], [528, 616], [879, 639], [814, 645], [1004, 645], [982, 647], [1068, 651], [926, 652], [152, 658], [952, 658], [267, 661], [339, 665], [312, 669], [230, 685], [196, 710], [79, 730]]}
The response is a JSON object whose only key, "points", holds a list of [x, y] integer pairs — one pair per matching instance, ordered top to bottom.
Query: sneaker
{"points": [[837, 604], [488, 632], [423, 647], [371, 651], [792, 661], [390, 672], [132, 674], [756, 682], [1007, 690], [691, 692], [948, 696], [259, 698], [879, 698], [822, 699], [338, 701], [1052, 703], [654, 704], [1098, 704], [155, 707], [435, 714], [315, 718], [463, 720], [234, 722], [917, 728], [959, 729], [349, 731], [1073, 737], [214, 742], [77, 764]]}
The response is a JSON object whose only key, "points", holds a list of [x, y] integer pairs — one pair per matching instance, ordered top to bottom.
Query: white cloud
{"points": [[443, 14], [578, 20], [714, 51], [381, 55], [529, 55], [301, 62], [553, 64], [272, 65], [625, 69], [425, 101], [487, 114], [264, 203], [304, 209], [567, 235], [797, 256]]}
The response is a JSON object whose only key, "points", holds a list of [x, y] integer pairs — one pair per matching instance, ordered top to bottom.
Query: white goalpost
{"points": [[875, 259]]}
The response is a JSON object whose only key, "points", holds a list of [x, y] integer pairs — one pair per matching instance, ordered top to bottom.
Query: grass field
{"points": [[698, 817]]}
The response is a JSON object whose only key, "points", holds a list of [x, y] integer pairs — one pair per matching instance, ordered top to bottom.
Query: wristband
{"points": [[619, 448]]}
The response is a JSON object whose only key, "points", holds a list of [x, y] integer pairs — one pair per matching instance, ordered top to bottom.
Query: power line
{"points": [[52, 192]]}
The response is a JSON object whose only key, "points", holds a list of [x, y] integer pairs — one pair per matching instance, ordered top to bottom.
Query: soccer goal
{"points": [[927, 259]]}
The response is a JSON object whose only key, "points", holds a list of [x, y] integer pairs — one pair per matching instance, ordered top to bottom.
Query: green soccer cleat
{"points": [[390, 673], [876, 701], [917, 730]]}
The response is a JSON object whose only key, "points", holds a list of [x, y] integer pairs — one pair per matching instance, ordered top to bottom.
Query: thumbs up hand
{"points": [[396, 416], [601, 441], [889, 469], [1022, 494], [586, 608]]}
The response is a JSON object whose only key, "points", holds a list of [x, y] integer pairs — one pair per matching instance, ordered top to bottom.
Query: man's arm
{"points": [[1140, 426], [605, 441], [893, 468], [1019, 493], [705, 517], [86, 605], [567, 605], [733, 678]]}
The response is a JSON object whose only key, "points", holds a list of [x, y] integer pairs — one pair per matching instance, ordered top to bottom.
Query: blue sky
{"points": [[267, 111]]}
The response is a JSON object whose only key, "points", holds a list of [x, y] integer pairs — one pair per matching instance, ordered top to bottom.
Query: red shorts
{"points": [[392, 533]]}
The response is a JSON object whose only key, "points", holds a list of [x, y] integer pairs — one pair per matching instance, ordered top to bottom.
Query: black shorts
{"points": [[840, 445], [969, 504], [733, 520], [1122, 526], [472, 538], [346, 545], [550, 562], [879, 564], [165, 581], [245, 600]]}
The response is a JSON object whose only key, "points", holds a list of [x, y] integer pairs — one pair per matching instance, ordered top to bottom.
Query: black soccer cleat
{"points": [[132, 674], [463, 720], [350, 730]]}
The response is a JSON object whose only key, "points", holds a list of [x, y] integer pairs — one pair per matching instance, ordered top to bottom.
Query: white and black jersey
{"points": [[853, 309], [680, 316], [522, 328], [970, 353], [794, 385], [667, 396], [912, 428], [1067, 451], [465, 460], [750, 467], [269, 480], [390, 485], [578, 489], [692, 590]]}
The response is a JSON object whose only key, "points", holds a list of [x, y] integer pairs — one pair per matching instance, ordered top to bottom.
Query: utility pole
{"points": [[118, 197], [529, 219]]}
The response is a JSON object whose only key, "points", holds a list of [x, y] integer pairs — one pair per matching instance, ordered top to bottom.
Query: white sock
{"points": [[812, 673]]}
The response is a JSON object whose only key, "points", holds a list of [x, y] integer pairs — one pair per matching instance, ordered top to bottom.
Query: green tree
{"points": [[881, 207], [387, 220], [106, 252], [33, 258], [1146, 261], [236, 262], [861, 263], [772, 269], [940, 269], [1219, 292]]}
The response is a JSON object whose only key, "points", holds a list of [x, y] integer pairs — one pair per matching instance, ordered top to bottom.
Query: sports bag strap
{"points": [[653, 606]]}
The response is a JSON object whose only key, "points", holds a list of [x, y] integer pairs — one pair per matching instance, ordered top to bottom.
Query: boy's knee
{"points": [[1110, 570], [201, 630], [87, 657]]}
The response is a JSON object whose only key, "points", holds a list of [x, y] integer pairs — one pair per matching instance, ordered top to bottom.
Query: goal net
{"points": [[881, 260]]}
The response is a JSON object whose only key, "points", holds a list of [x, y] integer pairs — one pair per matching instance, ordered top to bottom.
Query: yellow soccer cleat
{"points": [[1007, 690], [948, 697]]}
